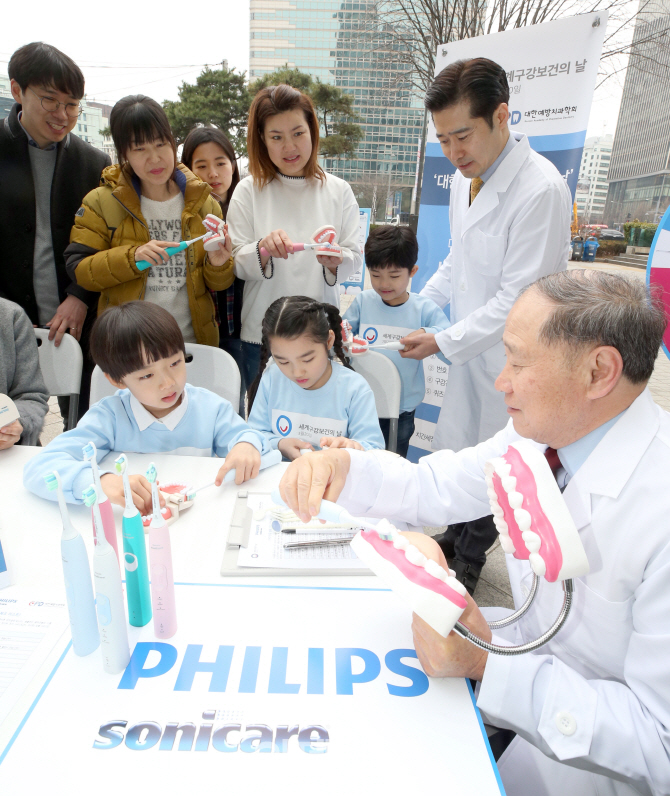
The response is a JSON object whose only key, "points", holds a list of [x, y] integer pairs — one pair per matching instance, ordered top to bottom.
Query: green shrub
{"points": [[639, 233], [610, 248]]}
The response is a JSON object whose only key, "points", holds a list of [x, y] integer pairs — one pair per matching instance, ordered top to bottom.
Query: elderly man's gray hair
{"points": [[595, 308]]}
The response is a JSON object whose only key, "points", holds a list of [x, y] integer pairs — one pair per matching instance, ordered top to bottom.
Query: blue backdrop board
{"points": [[551, 70]]}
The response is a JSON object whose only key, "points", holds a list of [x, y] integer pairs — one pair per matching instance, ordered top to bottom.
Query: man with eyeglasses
{"points": [[45, 172]]}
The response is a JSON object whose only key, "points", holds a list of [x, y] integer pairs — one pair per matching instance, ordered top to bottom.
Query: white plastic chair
{"points": [[206, 366], [61, 368], [384, 380]]}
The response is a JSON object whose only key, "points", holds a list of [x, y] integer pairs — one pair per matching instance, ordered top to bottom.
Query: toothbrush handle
{"points": [[297, 247], [142, 265], [108, 524], [137, 573], [162, 582], [79, 592], [111, 613]]}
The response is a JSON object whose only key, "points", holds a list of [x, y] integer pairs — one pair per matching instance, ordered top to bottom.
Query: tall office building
{"points": [[346, 44], [639, 176], [592, 184]]}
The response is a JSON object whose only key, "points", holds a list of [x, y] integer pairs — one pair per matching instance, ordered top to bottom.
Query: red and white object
{"points": [[216, 229], [323, 240], [358, 345], [179, 496], [531, 516], [431, 592]]}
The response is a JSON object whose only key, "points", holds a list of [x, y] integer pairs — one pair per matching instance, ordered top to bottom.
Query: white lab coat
{"points": [[517, 230], [592, 707]]}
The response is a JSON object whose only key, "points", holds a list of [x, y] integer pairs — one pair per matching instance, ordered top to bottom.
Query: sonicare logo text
{"points": [[352, 667]]}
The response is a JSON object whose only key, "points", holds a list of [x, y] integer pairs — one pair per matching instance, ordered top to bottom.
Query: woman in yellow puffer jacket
{"points": [[145, 204]]}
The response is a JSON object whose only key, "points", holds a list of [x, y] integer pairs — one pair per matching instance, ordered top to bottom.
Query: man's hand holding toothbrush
{"points": [[308, 479]]}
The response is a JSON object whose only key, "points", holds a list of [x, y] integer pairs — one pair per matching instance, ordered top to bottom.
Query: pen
{"points": [[309, 530], [318, 543]]}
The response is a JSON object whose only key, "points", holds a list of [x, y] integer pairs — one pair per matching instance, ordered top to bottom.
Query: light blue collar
{"points": [[509, 146], [574, 455]]}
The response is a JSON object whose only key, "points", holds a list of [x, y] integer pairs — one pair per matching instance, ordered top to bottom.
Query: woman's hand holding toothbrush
{"points": [[277, 244], [153, 252], [112, 486]]}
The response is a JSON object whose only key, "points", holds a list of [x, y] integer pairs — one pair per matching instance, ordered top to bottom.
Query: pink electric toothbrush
{"points": [[90, 455], [160, 563]]}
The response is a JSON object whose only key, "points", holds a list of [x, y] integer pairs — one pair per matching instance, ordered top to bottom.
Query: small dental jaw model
{"points": [[216, 232], [179, 496], [433, 594]]}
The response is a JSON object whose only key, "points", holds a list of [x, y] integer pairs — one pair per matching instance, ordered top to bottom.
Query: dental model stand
{"points": [[534, 525]]}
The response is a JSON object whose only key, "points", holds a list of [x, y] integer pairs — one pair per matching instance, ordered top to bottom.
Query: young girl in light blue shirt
{"points": [[305, 399]]}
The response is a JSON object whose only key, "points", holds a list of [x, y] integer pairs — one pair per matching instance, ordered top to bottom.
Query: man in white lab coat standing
{"points": [[510, 224], [591, 708]]}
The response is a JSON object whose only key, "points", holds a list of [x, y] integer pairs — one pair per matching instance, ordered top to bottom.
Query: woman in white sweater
{"points": [[285, 200]]}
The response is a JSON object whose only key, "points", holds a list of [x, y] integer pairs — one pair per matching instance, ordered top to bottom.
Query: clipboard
{"points": [[238, 536]]}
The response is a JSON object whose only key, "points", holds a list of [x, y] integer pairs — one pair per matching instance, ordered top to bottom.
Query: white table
{"points": [[30, 530]]}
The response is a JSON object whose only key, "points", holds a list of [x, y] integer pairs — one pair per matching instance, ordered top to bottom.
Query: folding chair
{"points": [[206, 366], [61, 368], [384, 380]]}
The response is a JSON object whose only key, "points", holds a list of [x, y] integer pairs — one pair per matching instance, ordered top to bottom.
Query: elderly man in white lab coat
{"points": [[509, 216], [591, 709]]}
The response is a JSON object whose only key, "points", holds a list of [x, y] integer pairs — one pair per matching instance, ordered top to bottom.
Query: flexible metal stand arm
{"points": [[568, 589], [508, 620]]}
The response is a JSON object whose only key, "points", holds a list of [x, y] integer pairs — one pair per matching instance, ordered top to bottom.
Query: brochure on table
{"points": [[320, 687]]}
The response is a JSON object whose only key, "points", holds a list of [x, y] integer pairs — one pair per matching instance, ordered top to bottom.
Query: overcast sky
{"points": [[164, 43]]}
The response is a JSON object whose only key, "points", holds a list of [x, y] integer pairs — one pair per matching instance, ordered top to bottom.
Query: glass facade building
{"points": [[347, 45], [639, 175]]}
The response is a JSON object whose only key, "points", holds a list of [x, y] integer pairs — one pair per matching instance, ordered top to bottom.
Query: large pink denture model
{"points": [[216, 232], [531, 516], [433, 594]]}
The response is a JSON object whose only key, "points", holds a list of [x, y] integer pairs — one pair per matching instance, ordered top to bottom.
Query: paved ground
{"points": [[493, 587]]}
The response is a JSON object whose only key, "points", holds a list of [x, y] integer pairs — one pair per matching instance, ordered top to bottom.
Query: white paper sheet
{"points": [[265, 547], [30, 626]]}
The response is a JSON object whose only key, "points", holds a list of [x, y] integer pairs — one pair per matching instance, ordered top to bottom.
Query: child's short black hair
{"points": [[41, 64], [137, 119], [390, 246], [129, 337]]}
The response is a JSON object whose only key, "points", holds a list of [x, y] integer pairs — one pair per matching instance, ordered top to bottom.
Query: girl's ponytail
{"points": [[335, 323], [253, 389]]}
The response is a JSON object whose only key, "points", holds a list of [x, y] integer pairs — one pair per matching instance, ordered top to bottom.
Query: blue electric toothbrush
{"points": [[142, 265], [134, 554], [77, 574], [108, 594]]}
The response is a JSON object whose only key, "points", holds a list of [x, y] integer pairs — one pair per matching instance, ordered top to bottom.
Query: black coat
{"points": [[77, 171]]}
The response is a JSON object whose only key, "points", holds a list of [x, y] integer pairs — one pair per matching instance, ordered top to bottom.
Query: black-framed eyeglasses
{"points": [[72, 109]]}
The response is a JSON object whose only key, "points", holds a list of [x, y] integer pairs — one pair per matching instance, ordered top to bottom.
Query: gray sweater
{"points": [[20, 375]]}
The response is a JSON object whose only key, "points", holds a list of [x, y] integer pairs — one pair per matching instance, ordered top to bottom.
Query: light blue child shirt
{"points": [[377, 322], [343, 407], [204, 424]]}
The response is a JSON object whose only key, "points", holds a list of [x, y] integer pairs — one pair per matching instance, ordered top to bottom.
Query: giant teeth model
{"points": [[531, 516], [433, 594]]}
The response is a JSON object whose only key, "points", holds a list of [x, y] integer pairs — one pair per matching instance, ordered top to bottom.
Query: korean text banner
{"points": [[551, 70]]}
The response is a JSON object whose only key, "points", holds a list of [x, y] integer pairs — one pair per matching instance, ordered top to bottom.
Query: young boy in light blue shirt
{"points": [[389, 312], [140, 348]]}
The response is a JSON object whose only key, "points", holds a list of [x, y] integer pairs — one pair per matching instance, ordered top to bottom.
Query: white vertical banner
{"points": [[551, 70]]}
